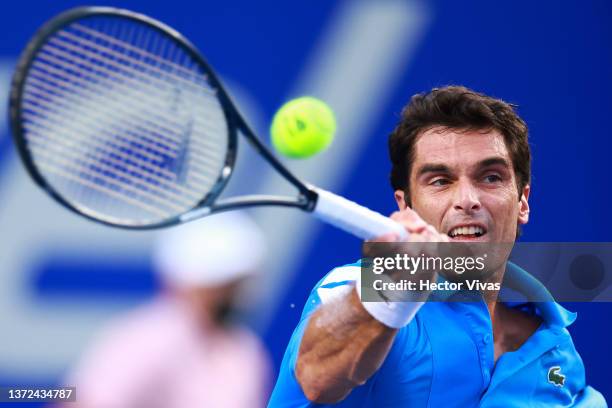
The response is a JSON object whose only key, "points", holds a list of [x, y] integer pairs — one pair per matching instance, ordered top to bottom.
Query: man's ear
{"points": [[400, 199], [523, 214]]}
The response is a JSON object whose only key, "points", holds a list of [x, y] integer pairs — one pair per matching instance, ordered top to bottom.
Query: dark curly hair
{"points": [[457, 107]]}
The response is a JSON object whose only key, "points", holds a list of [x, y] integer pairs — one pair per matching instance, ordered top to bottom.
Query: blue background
{"points": [[552, 58]]}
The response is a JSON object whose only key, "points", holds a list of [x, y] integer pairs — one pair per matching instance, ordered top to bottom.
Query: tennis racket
{"points": [[120, 119]]}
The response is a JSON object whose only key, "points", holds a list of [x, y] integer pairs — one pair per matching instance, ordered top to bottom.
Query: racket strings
{"points": [[128, 46], [90, 48], [101, 66], [39, 90], [148, 92], [153, 112], [120, 119], [40, 131], [160, 144], [153, 152], [124, 167], [103, 175], [95, 185]]}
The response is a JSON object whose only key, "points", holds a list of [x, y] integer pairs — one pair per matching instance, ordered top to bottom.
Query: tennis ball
{"points": [[303, 127]]}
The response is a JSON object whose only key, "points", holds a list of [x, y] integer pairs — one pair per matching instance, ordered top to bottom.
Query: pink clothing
{"points": [[158, 357]]}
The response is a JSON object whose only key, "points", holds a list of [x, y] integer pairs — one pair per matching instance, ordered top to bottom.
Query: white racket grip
{"points": [[354, 218]]}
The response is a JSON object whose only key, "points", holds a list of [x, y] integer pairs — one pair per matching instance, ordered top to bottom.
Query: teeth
{"points": [[471, 230]]}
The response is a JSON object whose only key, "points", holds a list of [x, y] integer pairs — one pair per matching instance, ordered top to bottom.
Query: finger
{"points": [[410, 220], [432, 230], [433, 235], [390, 237]]}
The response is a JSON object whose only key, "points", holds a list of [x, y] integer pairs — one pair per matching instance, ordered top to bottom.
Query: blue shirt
{"points": [[444, 358]]}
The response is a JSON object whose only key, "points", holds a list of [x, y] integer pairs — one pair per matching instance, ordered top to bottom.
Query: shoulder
{"points": [[337, 282]]}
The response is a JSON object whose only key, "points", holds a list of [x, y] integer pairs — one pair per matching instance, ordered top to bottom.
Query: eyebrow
{"points": [[494, 161], [432, 168], [443, 168]]}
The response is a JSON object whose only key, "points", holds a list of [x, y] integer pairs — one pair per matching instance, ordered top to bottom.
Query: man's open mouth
{"points": [[467, 231]]}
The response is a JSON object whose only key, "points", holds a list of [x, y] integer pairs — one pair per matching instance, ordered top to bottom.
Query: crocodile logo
{"points": [[555, 377]]}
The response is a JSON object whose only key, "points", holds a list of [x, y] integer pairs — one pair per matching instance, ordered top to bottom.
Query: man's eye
{"points": [[492, 178], [439, 182]]}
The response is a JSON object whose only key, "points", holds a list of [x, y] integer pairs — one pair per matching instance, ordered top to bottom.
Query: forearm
{"points": [[341, 348]]}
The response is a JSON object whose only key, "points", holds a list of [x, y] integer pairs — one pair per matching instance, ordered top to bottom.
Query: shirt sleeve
{"points": [[589, 397]]}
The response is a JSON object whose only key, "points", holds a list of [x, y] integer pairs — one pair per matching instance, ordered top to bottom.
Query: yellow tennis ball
{"points": [[303, 127]]}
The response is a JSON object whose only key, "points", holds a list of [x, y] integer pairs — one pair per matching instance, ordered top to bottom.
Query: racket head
{"points": [[121, 176]]}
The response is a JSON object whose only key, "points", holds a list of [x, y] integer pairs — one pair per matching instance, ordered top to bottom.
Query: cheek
{"points": [[508, 198], [431, 208], [503, 208]]}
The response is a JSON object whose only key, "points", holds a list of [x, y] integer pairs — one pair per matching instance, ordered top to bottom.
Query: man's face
{"points": [[463, 183]]}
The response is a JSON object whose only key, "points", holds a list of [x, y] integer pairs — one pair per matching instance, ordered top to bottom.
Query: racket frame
{"points": [[305, 200]]}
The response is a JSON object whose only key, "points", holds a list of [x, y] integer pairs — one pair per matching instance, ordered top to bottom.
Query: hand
{"points": [[423, 240]]}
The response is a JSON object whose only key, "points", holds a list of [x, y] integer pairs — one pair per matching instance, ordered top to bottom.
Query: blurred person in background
{"points": [[181, 350]]}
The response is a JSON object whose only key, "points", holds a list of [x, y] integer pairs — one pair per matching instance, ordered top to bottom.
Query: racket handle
{"points": [[354, 218]]}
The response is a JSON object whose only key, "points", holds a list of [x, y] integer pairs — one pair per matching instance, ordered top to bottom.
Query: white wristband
{"points": [[392, 314]]}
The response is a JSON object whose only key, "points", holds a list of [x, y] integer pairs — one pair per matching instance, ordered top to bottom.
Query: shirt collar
{"points": [[516, 278], [553, 314]]}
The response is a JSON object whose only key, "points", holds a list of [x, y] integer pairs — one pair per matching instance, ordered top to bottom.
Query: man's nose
{"points": [[466, 197]]}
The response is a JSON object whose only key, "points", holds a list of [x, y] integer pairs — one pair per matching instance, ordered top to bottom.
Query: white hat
{"points": [[211, 251]]}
